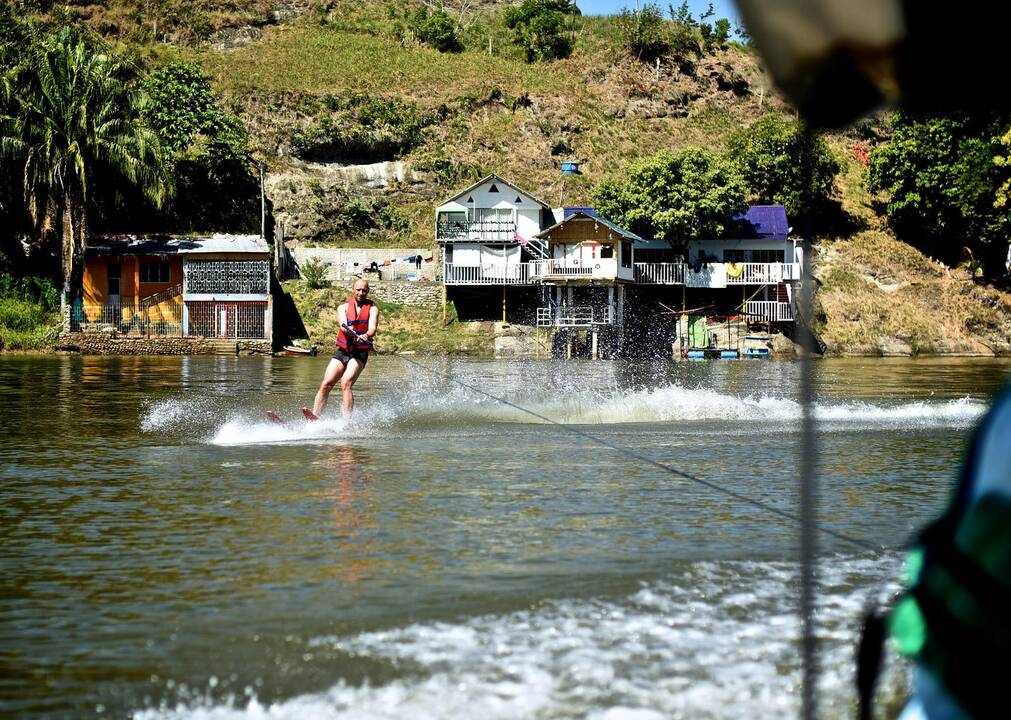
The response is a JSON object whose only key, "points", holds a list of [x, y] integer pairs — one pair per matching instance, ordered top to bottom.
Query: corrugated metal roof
{"points": [[603, 221], [767, 222], [169, 245]]}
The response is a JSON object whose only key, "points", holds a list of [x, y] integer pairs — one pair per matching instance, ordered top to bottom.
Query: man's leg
{"points": [[333, 373], [347, 381]]}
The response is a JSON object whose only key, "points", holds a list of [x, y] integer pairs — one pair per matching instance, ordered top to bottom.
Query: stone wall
{"points": [[419, 294], [104, 343]]}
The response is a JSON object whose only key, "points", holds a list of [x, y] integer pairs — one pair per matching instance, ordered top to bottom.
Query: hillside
{"points": [[306, 78]]}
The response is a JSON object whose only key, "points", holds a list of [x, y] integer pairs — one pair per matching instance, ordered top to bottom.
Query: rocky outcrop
{"points": [[311, 200], [101, 343]]}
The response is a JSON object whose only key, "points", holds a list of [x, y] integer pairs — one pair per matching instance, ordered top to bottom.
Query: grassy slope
{"points": [[878, 295]]}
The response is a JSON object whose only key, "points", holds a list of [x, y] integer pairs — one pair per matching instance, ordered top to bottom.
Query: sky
{"points": [[723, 8]]}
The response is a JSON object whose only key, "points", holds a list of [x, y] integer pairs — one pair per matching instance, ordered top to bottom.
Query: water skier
{"points": [[358, 318]]}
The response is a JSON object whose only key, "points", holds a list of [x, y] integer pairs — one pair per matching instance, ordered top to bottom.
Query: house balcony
{"points": [[488, 231], [579, 269], [490, 274], [716, 274], [574, 316]]}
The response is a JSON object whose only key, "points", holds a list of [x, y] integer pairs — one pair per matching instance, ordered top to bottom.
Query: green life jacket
{"points": [[954, 617]]}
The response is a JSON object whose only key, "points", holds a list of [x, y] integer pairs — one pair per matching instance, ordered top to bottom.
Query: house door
{"points": [[114, 298], [222, 321]]}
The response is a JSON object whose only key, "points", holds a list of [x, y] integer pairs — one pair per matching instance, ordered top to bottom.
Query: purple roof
{"points": [[570, 211], [766, 221]]}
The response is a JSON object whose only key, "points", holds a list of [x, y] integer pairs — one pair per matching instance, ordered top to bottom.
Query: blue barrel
{"points": [[570, 168], [756, 352], [696, 354], [728, 354]]}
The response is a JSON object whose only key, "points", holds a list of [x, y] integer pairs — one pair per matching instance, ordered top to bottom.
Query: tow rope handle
{"points": [[357, 336]]}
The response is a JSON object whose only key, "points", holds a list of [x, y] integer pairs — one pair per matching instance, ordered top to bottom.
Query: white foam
{"points": [[719, 641]]}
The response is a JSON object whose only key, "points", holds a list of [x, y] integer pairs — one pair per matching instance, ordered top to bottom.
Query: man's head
{"points": [[361, 289]]}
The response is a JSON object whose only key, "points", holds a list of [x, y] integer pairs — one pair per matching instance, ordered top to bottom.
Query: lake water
{"points": [[167, 552]]}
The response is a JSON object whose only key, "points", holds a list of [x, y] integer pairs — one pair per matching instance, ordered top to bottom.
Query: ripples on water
{"points": [[170, 553]]}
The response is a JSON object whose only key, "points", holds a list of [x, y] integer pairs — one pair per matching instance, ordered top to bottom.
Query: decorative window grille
{"points": [[227, 277], [227, 319]]}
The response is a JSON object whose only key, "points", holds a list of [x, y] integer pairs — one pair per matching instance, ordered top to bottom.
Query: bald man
{"points": [[358, 318]]}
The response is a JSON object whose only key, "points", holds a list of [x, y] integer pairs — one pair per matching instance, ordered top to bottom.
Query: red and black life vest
{"points": [[357, 320]]}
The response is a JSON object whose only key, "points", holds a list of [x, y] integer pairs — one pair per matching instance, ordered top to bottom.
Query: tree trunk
{"points": [[74, 243]]}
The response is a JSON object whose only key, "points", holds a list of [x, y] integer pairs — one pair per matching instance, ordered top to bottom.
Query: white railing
{"points": [[489, 230], [568, 267], [660, 273], [761, 273], [489, 274], [770, 310], [582, 316]]}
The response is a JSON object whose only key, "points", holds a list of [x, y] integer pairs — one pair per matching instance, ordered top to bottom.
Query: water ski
{"points": [[309, 415], [275, 417]]}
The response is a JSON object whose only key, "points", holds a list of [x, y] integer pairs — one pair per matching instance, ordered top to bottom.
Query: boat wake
{"points": [[410, 412]]}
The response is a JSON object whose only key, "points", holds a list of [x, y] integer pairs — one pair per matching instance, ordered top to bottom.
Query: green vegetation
{"points": [[538, 26], [435, 28], [682, 40], [70, 122], [359, 128], [204, 150], [771, 156], [940, 180], [675, 196], [314, 273], [29, 313]]}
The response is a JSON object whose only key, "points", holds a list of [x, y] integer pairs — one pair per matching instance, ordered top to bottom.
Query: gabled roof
{"points": [[497, 179], [580, 215], [766, 222], [176, 245]]}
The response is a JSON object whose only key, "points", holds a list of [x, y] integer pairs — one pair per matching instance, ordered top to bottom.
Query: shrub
{"points": [[538, 26], [436, 28], [644, 33], [357, 127], [314, 272]]}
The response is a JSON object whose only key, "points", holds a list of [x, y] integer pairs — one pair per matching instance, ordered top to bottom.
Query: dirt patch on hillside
{"points": [[879, 296]]}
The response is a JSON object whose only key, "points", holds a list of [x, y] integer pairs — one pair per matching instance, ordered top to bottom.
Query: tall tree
{"points": [[72, 115], [939, 180], [676, 197]]}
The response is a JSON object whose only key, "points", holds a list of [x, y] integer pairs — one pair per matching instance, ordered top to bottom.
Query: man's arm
{"points": [[342, 315], [373, 322]]}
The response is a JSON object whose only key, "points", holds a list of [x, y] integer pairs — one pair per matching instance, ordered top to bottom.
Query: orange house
{"points": [[217, 286]]}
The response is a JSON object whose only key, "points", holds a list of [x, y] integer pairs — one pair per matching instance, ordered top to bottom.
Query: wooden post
{"points": [[503, 303], [444, 304], [593, 343]]}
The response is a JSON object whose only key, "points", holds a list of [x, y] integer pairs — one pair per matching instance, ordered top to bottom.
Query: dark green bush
{"points": [[538, 26], [435, 28], [359, 128]]}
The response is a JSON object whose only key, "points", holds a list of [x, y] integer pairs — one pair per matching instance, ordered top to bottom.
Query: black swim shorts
{"points": [[362, 356]]}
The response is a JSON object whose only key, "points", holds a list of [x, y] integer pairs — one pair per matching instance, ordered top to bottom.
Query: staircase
{"points": [[537, 248]]}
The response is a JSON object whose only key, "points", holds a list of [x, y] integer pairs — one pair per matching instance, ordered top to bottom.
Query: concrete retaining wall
{"points": [[341, 261], [419, 294]]}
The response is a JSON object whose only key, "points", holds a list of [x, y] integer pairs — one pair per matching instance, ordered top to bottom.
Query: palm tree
{"points": [[68, 116]]}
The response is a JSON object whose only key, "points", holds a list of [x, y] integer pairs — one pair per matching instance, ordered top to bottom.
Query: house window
{"points": [[451, 224], [606, 251], [626, 254], [734, 256], [767, 256], [154, 272]]}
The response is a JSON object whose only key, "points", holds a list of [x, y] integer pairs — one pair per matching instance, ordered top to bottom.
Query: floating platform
{"points": [[756, 352], [711, 354]]}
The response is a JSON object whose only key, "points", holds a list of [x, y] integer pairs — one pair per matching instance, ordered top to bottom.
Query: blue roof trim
{"points": [[767, 222]]}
